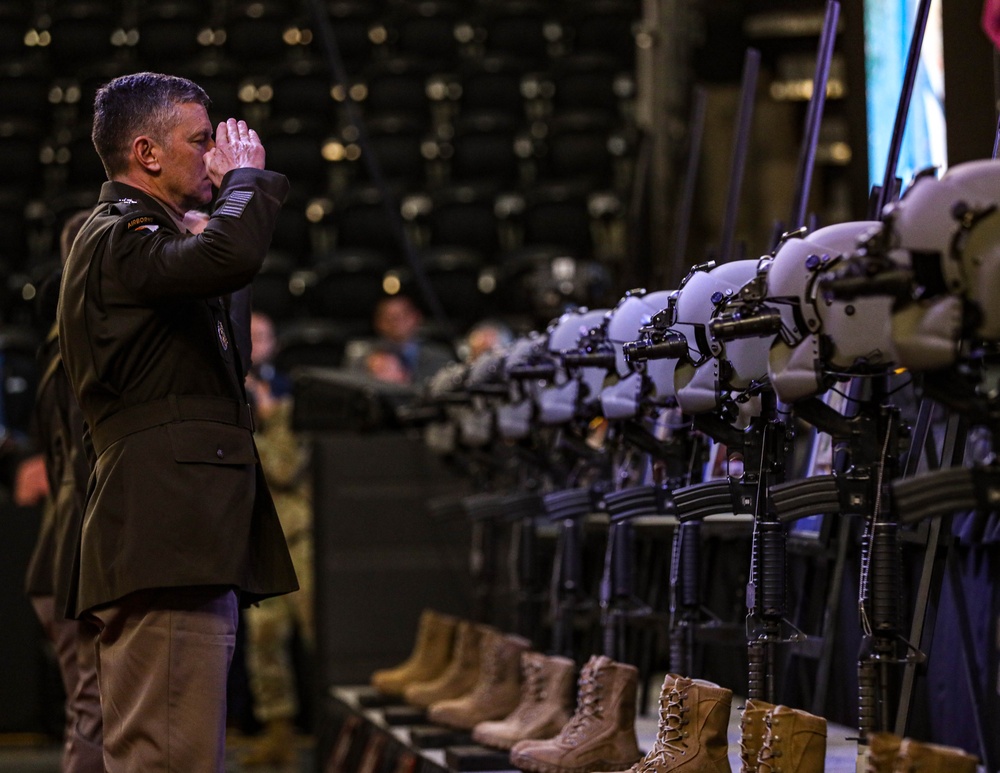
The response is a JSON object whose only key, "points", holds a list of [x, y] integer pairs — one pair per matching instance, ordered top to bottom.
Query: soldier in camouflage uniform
{"points": [[271, 625]]}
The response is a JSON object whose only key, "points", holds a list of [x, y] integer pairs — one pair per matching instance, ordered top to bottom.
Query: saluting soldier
{"points": [[179, 527]]}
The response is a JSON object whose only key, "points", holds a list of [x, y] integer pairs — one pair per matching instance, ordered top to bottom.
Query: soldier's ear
{"points": [[147, 153]]}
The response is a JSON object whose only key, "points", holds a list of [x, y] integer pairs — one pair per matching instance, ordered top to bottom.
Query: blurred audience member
{"points": [[398, 323], [485, 336], [264, 345], [386, 365], [272, 624]]}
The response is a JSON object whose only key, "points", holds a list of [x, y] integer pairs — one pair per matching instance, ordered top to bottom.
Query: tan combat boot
{"points": [[429, 658], [461, 674], [547, 692], [496, 693], [752, 729], [692, 732], [600, 735], [794, 742], [880, 756], [918, 757]]}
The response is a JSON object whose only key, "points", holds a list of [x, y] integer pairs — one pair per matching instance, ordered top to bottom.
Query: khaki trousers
{"points": [[163, 658]]}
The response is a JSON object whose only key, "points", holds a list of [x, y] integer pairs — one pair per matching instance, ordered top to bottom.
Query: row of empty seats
{"points": [[71, 33], [309, 89], [466, 134], [479, 147], [485, 218]]}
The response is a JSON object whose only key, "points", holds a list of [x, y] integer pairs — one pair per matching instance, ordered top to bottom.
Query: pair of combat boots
{"points": [[432, 652], [462, 673], [495, 684], [546, 704], [692, 732], [600, 735], [691, 735], [780, 738], [888, 753]]}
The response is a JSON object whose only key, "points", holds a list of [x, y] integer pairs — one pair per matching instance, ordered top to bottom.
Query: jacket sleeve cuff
{"points": [[273, 184]]}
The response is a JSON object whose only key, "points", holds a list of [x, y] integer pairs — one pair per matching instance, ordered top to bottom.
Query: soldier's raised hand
{"points": [[237, 146]]}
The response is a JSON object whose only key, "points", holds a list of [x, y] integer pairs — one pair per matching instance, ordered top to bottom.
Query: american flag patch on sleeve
{"points": [[235, 204]]}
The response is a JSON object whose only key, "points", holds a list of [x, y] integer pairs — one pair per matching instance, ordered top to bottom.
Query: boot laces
{"points": [[534, 681], [589, 707], [671, 740], [767, 752], [747, 756]]}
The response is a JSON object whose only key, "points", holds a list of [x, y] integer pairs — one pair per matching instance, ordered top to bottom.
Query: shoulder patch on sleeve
{"points": [[236, 202], [141, 223]]}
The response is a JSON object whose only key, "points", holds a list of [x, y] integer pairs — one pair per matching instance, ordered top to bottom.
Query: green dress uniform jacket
{"points": [[176, 496]]}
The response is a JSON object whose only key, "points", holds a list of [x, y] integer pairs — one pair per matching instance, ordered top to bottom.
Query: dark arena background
{"points": [[687, 449]]}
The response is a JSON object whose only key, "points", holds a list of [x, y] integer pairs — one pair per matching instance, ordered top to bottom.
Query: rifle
{"points": [[764, 444]]}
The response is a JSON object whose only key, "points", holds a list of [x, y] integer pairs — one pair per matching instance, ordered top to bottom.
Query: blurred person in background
{"points": [[398, 324], [485, 336], [49, 580], [272, 624]]}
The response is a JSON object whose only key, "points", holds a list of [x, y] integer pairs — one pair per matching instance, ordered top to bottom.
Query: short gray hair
{"points": [[131, 105]]}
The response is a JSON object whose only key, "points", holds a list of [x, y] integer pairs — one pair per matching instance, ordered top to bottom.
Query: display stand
{"points": [[355, 738], [359, 738]]}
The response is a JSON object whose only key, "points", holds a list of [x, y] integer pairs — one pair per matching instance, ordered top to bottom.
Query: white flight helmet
{"points": [[946, 233], [821, 334], [712, 369], [655, 380], [560, 400], [514, 416]]}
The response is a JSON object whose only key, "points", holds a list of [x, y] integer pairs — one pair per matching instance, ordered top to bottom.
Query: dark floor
{"points": [[31, 754]]}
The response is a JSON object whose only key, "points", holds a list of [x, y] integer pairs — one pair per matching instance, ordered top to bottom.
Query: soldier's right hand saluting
{"points": [[237, 146]]}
